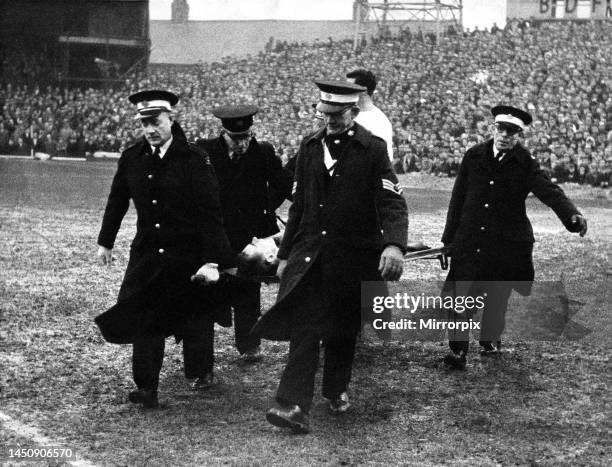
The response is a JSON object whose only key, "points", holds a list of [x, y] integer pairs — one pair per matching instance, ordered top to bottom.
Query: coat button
{"points": [[150, 176], [491, 182], [154, 201], [320, 205], [486, 205], [265, 211], [157, 226], [482, 228], [323, 232], [477, 250], [161, 251], [307, 259]]}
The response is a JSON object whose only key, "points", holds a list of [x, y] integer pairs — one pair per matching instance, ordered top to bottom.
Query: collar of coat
{"points": [[362, 136], [223, 143], [179, 146], [518, 152]]}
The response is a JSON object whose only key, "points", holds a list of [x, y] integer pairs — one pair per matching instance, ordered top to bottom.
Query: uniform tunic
{"points": [[251, 189], [341, 224], [487, 224], [179, 228]]}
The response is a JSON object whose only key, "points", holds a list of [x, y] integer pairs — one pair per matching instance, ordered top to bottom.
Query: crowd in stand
{"points": [[28, 61], [436, 94]]}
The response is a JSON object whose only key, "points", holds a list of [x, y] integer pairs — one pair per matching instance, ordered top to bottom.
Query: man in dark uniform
{"points": [[253, 184], [348, 223], [487, 229], [179, 237]]}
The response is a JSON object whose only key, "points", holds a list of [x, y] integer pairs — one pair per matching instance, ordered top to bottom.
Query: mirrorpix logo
{"points": [[429, 324]]}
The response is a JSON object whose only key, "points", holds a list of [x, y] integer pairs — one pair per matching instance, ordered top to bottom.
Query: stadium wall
{"points": [[187, 43]]}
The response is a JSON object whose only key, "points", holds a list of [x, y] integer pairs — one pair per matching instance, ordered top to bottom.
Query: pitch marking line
{"points": [[32, 433]]}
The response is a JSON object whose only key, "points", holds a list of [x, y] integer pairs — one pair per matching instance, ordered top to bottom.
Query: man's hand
{"points": [[581, 223], [105, 255], [391, 263], [281, 268], [207, 274]]}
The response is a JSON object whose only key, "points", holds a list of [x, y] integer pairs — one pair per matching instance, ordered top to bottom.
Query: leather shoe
{"points": [[490, 349], [253, 355], [456, 361], [204, 382], [146, 397], [340, 404], [289, 417]]}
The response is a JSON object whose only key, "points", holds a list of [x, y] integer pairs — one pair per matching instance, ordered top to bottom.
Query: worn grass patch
{"points": [[540, 403]]}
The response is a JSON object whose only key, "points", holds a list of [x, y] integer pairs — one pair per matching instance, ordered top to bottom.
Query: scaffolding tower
{"points": [[438, 11]]}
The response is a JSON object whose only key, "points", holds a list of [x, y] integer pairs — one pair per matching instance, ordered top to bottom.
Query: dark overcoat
{"points": [[251, 189], [340, 226], [487, 227], [179, 228]]}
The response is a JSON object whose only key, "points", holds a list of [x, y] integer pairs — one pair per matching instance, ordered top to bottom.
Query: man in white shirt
{"points": [[370, 116]]}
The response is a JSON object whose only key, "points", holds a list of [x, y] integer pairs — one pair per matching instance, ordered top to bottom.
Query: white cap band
{"points": [[339, 98], [157, 104], [507, 118]]}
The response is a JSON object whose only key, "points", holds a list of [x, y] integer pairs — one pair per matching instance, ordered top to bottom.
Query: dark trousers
{"points": [[246, 313], [493, 314], [199, 346], [148, 352], [147, 358], [298, 379]]}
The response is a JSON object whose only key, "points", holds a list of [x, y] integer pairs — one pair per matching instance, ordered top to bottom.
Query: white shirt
{"points": [[379, 125], [163, 148], [330, 163]]}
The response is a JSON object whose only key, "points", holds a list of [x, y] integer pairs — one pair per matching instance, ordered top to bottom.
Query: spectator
{"points": [[370, 116], [49, 146], [75, 146], [21, 148], [561, 171]]}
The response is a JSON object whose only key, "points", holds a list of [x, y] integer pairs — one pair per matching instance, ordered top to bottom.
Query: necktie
{"points": [[337, 142], [157, 154], [500, 156]]}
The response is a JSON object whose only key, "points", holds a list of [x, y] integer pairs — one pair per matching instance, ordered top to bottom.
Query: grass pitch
{"points": [[541, 403]]}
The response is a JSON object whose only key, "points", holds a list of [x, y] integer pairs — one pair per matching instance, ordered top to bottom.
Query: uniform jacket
{"points": [[251, 189], [487, 224], [179, 228], [343, 228]]}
